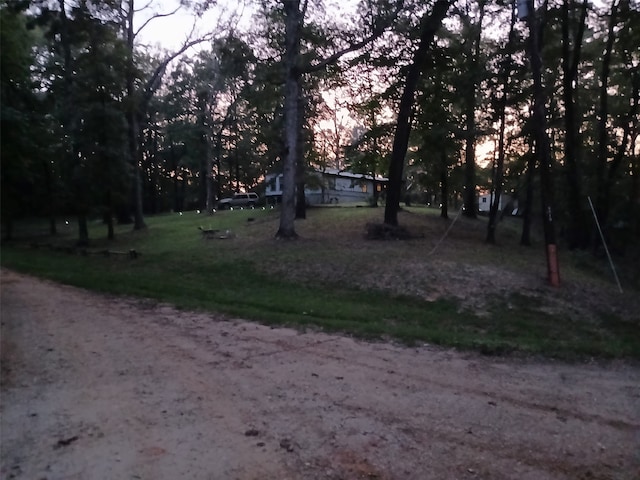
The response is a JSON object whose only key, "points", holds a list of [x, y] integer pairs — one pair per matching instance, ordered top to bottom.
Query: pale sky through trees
{"points": [[170, 32]]}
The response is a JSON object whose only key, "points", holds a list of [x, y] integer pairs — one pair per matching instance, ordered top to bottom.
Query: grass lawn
{"points": [[466, 294]]}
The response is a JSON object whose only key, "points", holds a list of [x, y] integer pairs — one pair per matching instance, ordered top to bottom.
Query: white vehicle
{"points": [[239, 200]]}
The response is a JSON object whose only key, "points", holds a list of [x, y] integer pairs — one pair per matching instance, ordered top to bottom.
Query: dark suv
{"points": [[239, 200]]}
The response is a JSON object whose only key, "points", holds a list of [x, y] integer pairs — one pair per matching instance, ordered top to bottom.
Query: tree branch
{"points": [[143, 8], [154, 17], [377, 32], [330, 60], [573, 72], [153, 83]]}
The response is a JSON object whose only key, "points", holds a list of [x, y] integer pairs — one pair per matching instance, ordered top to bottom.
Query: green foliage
{"points": [[64, 97], [17, 102]]}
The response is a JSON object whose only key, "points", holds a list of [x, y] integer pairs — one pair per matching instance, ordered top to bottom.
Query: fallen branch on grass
{"points": [[209, 234]]}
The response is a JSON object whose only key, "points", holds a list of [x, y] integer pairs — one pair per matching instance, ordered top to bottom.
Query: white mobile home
{"points": [[330, 186], [485, 199]]}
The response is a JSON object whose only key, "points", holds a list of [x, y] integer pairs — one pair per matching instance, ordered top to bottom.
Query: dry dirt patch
{"points": [[98, 387]]}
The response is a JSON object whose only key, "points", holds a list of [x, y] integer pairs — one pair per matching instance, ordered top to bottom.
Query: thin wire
{"points": [[445, 233], [605, 245]]}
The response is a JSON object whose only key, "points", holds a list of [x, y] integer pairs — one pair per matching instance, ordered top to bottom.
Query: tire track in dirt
{"points": [[317, 348], [121, 390]]}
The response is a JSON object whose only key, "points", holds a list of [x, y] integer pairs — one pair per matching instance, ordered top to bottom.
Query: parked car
{"points": [[239, 200]]}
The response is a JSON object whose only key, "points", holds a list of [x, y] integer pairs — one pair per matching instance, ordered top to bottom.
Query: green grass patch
{"points": [[330, 279]]}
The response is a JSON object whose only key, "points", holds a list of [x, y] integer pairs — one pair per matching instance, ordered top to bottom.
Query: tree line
{"points": [[96, 124]]}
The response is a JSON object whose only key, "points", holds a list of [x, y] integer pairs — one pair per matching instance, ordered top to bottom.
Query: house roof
{"points": [[344, 174], [348, 174]]}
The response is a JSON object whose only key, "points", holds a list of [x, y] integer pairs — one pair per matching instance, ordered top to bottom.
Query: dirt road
{"points": [[96, 387]]}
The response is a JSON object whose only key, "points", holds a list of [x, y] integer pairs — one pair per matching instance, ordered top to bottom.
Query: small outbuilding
{"points": [[507, 203]]}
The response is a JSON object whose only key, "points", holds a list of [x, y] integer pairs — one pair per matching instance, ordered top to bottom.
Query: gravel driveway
{"points": [[99, 387]]}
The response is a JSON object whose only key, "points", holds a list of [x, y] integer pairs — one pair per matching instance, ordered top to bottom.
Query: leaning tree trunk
{"points": [[430, 25]]}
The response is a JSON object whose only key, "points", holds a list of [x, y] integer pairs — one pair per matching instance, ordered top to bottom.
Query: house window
{"points": [[364, 188], [484, 199]]}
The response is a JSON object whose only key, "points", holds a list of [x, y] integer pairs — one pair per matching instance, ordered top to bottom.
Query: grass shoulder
{"points": [[494, 300]]}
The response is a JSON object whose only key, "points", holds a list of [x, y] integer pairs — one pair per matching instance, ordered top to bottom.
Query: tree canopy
{"points": [[439, 97]]}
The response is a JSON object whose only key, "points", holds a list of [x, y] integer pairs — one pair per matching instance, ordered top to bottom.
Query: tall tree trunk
{"points": [[430, 24], [293, 25], [502, 106], [133, 120], [603, 137], [543, 149], [498, 174], [470, 208], [578, 236]]}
